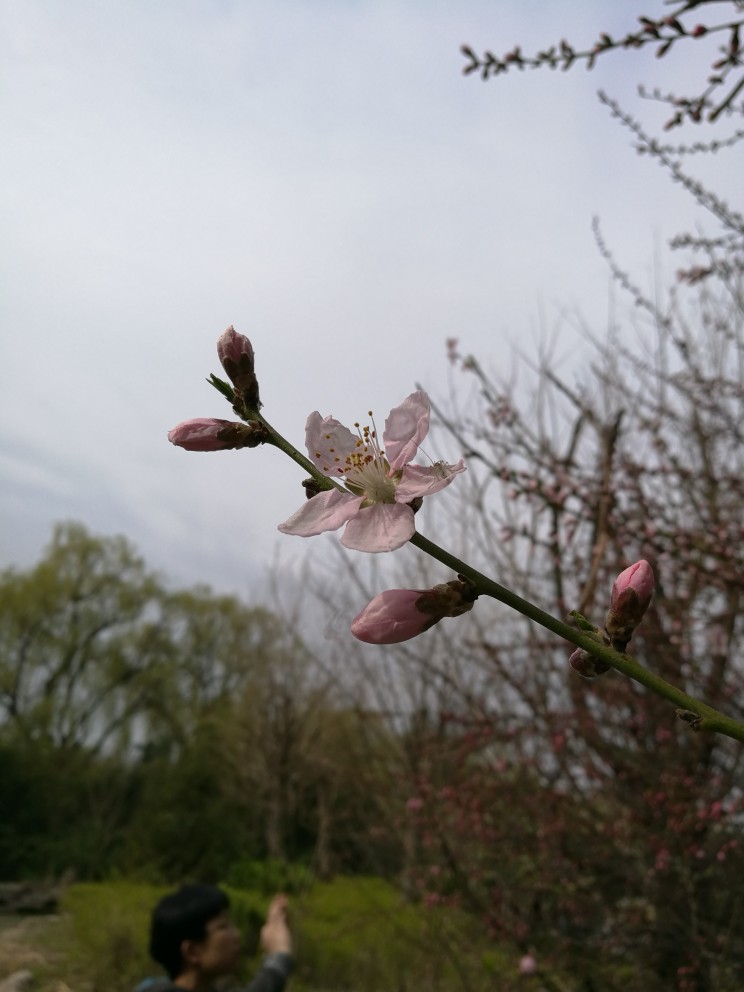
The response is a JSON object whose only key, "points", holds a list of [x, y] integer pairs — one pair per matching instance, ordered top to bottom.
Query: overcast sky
{"points": [[319, 174]]}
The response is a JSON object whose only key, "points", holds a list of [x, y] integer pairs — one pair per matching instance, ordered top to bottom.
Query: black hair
{"points": [[183, 915]]}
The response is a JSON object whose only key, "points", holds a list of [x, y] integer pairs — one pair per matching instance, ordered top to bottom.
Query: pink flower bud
{"points": [[233, 347], [235, 352], [209, 434], [639, 578], [631, 596], [399, 614], [392, 617]]}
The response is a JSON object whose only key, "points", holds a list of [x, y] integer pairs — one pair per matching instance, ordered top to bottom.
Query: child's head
{"points": [[191, 929]]}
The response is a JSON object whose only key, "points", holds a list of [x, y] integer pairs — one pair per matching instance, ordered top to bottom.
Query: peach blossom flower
{"points": [[380, 480]]}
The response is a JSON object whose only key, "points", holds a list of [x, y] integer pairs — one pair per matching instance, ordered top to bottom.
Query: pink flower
{"points": [[209, 434], [380, 480], [399, 614], [527, 965]]}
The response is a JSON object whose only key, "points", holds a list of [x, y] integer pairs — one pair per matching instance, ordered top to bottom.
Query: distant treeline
{"points": [[163, 734]]}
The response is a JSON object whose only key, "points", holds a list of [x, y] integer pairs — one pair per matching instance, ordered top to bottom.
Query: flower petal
{"points": [[405, 428], [328, 443], [420, 480], [326, 511], [380, 527]]}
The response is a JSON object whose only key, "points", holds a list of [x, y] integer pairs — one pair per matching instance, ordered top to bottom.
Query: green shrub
{"points": [[107, 926], [360, 934]]}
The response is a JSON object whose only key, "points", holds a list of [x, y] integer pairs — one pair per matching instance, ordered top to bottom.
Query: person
{"points": [[193, 937]]}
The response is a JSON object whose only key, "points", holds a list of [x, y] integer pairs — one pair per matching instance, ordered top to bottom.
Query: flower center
{"points": [[367, 470]]}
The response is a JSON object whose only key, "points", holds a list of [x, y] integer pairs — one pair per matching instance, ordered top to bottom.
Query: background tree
{"points": [[77, 641], [135, 716]]}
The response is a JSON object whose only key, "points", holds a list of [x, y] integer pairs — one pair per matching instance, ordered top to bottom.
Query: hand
{"points": [[275, 935]]}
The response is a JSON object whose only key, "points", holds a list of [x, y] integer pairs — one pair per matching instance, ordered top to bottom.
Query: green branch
{"points": [[699, 715]]}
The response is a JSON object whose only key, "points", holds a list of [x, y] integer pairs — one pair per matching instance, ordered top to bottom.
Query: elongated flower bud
{"points": [[235, 352], [209, 434], [631, 596], [397, 615], [392, 617]]}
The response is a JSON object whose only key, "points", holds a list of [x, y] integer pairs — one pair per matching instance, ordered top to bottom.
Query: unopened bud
{"points": [[235, 352], [210, 434], [631, 596], [397, 615], [586, 665]]}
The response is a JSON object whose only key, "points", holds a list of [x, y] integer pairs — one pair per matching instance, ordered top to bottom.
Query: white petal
{"points": [[405, 428], [328, 443], [418, 480], [326, 511], [381, 527]]}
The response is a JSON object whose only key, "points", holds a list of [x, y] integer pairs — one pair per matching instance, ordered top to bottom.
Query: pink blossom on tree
{"points": [[380, 480], [527, 965]]}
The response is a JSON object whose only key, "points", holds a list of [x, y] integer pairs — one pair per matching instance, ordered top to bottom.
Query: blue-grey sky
{"points": [[318, 173]]}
